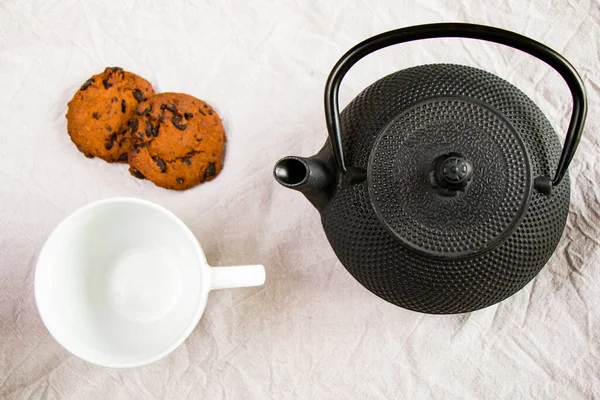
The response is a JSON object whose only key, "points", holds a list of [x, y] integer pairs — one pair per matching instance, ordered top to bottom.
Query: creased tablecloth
{"points": [[312, 332]]}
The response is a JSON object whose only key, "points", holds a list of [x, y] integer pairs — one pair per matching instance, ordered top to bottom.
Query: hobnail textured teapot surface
{"points": [[422, 249]]}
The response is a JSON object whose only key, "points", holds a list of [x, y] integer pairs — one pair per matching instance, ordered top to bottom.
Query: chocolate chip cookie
{"points": [[98, 114], [178, 141]]}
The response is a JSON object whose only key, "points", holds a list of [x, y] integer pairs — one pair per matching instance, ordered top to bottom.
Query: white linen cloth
{"points": [[312, 332]]}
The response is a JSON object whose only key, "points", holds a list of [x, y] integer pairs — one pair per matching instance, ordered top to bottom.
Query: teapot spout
{"points": [[310, 176]]}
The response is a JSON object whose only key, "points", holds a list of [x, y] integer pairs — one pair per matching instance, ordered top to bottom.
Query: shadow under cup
{"points": [[121, 283]]}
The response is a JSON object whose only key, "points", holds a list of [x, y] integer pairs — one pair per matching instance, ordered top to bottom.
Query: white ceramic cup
{"points": [[122, 282]]}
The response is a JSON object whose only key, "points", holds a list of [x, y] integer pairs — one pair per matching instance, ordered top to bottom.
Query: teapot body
{"points": [[441, 188], [370, 241]]}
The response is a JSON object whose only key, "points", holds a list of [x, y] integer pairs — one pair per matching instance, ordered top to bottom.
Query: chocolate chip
{"points": [[117, 69], [106, 83], [87, 84], [138, 95], [114, 99], [123, 106], [163, 106], [205, 106], [172, 107], [145, 111], [201, 112], [210, 112], [96, 115], [188, 115], [161, 118], [176, 120], [133, 124], [109, 129], [149, 129], [155, 131], [140, 135], [198, 139], [110, 142], [144, 145], [214, 154], [88, 155], [123, 157], [186, 160], [161, 164], [210, 171], [136, 173], [180, 180]]}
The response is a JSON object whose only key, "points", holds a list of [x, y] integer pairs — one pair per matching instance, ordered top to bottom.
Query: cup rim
{"points": [[203, 265]]}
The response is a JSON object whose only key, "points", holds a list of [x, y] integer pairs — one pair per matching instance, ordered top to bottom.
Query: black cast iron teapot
{"points": [[442, 188]]}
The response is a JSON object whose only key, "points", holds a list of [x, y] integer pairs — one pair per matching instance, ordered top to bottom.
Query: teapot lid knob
{"points": [[452, 171]]}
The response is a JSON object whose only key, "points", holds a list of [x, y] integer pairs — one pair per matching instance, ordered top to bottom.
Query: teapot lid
{"points": [[450, 177]]}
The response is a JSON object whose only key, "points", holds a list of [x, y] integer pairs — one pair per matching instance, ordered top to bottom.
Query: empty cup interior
{"points": [[119, 283]]}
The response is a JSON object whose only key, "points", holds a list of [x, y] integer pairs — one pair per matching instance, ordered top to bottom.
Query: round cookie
{"points": [[98, 114], [178, 141]]}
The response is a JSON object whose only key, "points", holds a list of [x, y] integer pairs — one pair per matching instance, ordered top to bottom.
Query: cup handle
{"points": [[238, 276]]}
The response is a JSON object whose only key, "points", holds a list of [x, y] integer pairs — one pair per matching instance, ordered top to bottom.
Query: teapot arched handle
{"points": [[543, 184]]}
